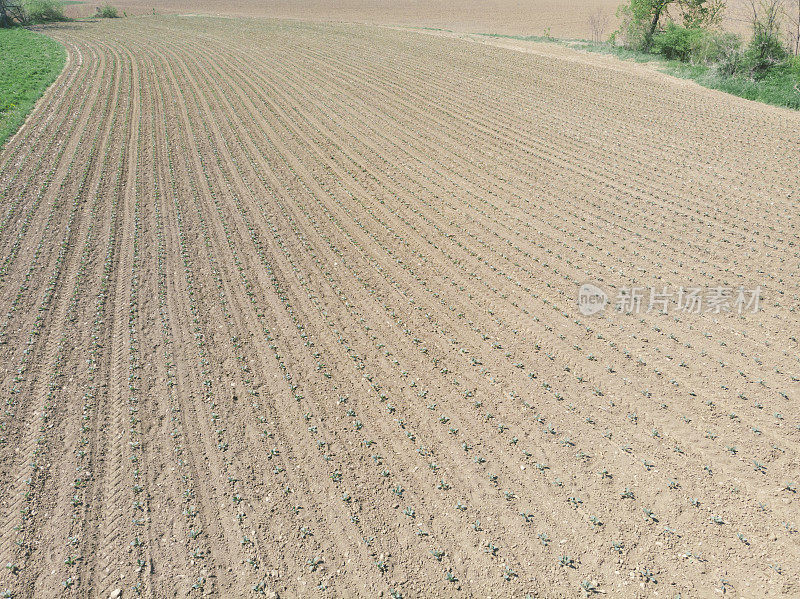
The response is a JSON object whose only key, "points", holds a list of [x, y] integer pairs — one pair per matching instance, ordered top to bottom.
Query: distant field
{"points": [[519, 17]]}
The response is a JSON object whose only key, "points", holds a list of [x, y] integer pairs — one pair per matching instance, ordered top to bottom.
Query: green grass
{"points": [[30, 63], [777, 87]]}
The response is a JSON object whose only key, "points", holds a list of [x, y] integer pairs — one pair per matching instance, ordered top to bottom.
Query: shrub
{"points": [[44, 11], [107, 12], [676, 42], [695, 45], [715, 47], [764, 51], [731, 62], [794, 65]]}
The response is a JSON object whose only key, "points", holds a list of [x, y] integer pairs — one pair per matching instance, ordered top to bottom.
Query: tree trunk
{"points": [[658, 8], [656, 17]]}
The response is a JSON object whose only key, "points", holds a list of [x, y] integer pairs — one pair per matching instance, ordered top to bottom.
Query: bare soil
{"points": [[559, 18], [290, 309]]}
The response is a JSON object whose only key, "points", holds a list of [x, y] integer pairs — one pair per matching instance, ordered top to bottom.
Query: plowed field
{"points": [[561, 18], [291, 309]]}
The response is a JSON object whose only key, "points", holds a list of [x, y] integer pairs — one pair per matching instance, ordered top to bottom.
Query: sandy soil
{"points": [[289, 309]]}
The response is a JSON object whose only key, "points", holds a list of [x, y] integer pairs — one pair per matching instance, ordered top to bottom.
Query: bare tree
{"points": [[11, 12], [792, 13], [766, 16], [598, 21], [766, 46]]}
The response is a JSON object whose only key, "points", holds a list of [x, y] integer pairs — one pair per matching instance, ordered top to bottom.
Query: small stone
{"points": [[115, 594]]}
